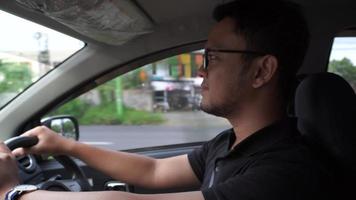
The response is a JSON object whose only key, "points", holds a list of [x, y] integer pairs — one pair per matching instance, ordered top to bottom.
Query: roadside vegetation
{"points": [[344, 68], [108, 108], [105, 114]]}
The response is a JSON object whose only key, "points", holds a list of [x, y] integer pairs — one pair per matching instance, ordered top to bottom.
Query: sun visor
{"points": [[110, 21]]}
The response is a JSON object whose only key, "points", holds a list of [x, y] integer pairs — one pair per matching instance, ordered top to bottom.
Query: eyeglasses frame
{"points": [[206, 53]]}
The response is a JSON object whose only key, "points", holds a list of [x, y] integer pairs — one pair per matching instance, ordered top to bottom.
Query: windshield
{"points": [[27, 52]]}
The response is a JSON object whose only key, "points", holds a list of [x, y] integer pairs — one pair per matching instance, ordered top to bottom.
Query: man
{"points": [[251, 59]]}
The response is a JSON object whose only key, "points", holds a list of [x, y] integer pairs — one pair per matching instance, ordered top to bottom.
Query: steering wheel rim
{"points": [[21, 141], [67, 162]]}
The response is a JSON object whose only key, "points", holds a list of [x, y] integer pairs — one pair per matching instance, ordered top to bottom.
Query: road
{"points": [[180, 127]]}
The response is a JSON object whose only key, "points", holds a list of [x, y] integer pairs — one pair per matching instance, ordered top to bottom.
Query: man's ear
{"points": [[265, 70]]}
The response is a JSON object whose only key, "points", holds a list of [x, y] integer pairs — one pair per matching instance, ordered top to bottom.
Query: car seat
{"points": [[325, 106]]}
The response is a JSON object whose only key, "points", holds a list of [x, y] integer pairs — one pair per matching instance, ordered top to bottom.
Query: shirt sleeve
{"points": [[197, 159], [277, 180]]}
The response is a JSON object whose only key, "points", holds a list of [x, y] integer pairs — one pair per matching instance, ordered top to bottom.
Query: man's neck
{"points": [[251, 122]]}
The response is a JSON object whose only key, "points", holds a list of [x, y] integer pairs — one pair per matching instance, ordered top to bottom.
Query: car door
{"points": [[151, 110]]}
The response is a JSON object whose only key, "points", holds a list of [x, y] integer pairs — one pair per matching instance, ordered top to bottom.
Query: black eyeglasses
{"points": [[206, 54]]}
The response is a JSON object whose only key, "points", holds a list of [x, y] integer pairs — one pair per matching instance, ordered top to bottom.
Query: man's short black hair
{"points": [[276, 27]]}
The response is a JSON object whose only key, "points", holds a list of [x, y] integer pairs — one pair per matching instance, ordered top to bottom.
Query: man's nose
{"points": [[202, 72]]}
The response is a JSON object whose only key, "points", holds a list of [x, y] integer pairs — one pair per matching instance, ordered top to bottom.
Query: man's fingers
{"points": [[32, 132], [3, 148], [5, 152], [19, 152], [6, 156]]}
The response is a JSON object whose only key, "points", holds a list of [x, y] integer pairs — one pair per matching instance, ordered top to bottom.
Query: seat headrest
{"points": [[325, 105]]}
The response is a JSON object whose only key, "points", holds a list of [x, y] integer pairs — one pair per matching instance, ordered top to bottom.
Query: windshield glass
{"points": [[27, 52]]}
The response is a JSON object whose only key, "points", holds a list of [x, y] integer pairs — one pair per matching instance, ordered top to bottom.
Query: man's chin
{"points": [[211, 110]]}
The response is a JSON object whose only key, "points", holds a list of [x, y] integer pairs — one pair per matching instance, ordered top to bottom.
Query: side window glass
{"points": [[343, 59], [155, 105]]}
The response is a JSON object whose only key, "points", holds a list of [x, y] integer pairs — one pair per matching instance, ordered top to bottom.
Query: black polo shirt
{"points": [[272, 163]]}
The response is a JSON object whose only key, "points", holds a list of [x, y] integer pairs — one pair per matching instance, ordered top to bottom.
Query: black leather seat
{"points": [[325, 105]]}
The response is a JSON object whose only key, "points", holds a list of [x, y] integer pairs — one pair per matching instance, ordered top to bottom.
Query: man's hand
{"points": [[49, 142], [8, 170]]}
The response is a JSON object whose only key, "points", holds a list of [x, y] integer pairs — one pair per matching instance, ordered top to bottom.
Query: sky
{"points": [[19, 36], [344, 47]]}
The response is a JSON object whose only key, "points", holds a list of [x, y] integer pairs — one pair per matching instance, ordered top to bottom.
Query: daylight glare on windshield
{"points": [[27, 52]]}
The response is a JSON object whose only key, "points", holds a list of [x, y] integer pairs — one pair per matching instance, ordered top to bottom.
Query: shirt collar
{"points": [[263, 138]]}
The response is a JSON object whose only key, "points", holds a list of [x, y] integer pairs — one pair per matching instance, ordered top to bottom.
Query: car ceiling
{"points": [[159, 11], [165, 12], [173, 23], [176, 23]]}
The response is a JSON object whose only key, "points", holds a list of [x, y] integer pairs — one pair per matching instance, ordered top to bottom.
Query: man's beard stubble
{"points": [[230, 106], [219, 111]]}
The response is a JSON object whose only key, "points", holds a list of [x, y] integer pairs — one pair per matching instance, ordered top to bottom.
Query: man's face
{"points": [[225, 88]]}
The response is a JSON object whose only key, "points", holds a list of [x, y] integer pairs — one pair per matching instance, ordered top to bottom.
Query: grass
{"points": [[106, 115]]}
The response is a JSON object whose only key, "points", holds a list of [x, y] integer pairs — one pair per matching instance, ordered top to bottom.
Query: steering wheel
{"points": [[79, 182]]}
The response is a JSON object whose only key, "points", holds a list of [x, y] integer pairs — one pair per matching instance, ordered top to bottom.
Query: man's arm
{"points": [[130, 168], [136, 169], [110, 195]]}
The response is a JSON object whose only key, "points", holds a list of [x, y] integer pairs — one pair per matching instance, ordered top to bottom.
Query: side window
{"points": [[343, 59], [155, 105]]}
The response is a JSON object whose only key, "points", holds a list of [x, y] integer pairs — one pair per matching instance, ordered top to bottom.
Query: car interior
{"points": [[324, 102], [329, 131]]}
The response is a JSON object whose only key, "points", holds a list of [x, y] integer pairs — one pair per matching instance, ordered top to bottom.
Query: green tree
{"points": [[344, 68], [14, 77], [132, 80], [107, 92], [76, 107], [105, 112]]}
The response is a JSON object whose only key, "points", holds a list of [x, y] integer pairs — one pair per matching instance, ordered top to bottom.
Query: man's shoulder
{"points": [[223, 135], [222, 138], [286, 145], [292, 154]]}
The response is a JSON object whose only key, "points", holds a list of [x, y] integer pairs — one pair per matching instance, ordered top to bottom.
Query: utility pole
{"points": [[43, 56], [119, 100]]}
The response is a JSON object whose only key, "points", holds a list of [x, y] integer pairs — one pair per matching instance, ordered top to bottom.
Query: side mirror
{"points": [[65, 125]]}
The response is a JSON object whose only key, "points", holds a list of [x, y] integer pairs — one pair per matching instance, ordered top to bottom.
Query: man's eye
{"points": [[212, 57]]}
